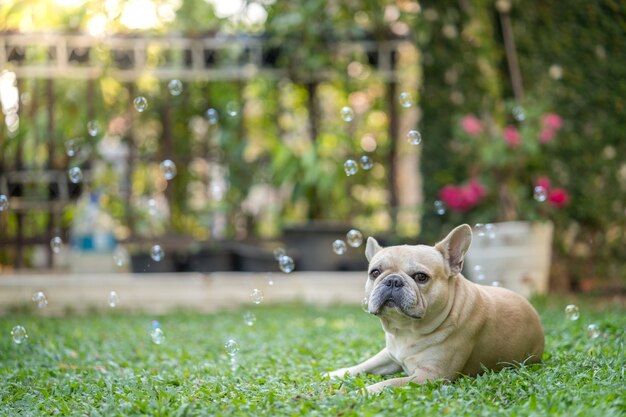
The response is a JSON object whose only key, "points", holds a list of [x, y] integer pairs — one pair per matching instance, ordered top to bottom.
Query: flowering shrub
{"points": [[508, 166]]}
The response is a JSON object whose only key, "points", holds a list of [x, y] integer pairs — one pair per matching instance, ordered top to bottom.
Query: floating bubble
{"points": [[175, 87], [406, 100], [140, 103], [232, 109], [519, 113], [347, 114], [212, 116], [93, 128], [414, 137], [72, 146], [366, 162], [351, 167], [169, 169], [75, 174], [540, 194], [4, 202], [440, 207], [480, 229], [490, 231], [354, 238], [56, 244], [339, 247], [156, 253], [279, 253], [120, 256], [286, 264], [479, 274], [270, 282], [495, 283], [256, 296], [114, 299], [40, 300], [364, 305], [572, 312], [249, 318], [154, 324], [593, 331], [19, 335], [157, 335], [232, 347]]}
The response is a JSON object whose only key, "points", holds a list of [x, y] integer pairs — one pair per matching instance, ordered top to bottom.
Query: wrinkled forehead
{"points": [[406, 257]]}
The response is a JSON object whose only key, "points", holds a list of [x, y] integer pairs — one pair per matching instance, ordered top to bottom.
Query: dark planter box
{"points": [[255, 257], [211, 259], [142, 262]]}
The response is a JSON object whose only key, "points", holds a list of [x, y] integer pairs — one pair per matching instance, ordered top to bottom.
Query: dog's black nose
{"points": [[394, 282]]}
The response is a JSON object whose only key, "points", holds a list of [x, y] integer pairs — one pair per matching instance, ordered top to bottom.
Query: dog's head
{"points": [[409, 280]]}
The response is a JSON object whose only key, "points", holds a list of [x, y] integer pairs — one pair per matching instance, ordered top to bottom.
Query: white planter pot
{"points": [[515, 255]]}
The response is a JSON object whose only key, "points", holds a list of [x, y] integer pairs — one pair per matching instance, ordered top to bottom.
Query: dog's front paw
{"points": [[339, 373]]}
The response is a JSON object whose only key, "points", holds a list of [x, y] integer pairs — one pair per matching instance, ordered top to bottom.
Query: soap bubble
{"points": [[175, 87], [406, 100], [140, 103], [232, 109], [519, 113], [347, 114], [212, 116], [93, 128], [414, 137], [72, 146], [366, 162], [351, 167], [169, 169], [75, 174], [540, 194], [4, 202], [440, 207], [479, 228], [490, 231], [354, 238], [56, 244], [339, 247], [156, 253], [279, 253], [120, 256], [286, 264], [479, 274], [495, 283], [256, 296], [114, 299], [40, 300], [364, 305], [572, 312], [249, 318], [154, 324], [593, 331], [19, 335], [157, 335], [232, 347]]}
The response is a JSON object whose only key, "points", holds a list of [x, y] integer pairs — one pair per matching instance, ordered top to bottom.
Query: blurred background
{"points": [[203, 135]]}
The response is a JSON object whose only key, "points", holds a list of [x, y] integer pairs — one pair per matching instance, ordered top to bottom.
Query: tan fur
{"points": [[448, 326]]}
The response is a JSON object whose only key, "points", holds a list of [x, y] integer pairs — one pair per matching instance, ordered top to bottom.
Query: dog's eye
{"points": [[375, 273], [421, 277]]}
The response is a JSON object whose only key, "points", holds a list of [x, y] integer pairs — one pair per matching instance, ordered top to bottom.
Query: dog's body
{"points": [[437, 324]]}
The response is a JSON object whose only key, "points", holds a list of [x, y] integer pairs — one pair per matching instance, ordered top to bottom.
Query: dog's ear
{"points": [[455, 246], [371, 248]]}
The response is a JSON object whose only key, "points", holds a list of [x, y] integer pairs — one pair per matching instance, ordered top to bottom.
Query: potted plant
{"points": [[510, 195]]}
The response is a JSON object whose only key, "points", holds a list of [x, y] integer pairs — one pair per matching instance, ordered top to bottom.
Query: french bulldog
{"points": [[439, 325]]}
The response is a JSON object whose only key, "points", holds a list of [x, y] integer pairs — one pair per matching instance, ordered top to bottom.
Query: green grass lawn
{"points": [[107, 365]]}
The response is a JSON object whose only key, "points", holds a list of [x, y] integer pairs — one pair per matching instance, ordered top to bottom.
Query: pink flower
{"points": [[552, 121], [471, 125], [546, 135], [512, 136], [543, 182], [462, 197], [559, 197]]}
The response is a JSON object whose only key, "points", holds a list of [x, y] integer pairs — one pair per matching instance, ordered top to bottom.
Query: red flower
{"points": [[552, 121], [471, 125], [546, 135], [512, 136], [543, 182], [558, 197]]}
